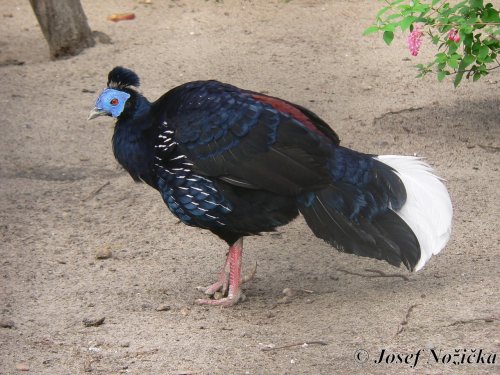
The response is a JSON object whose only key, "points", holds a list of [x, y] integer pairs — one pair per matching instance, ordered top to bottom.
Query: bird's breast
{"points": [[194, 199]]}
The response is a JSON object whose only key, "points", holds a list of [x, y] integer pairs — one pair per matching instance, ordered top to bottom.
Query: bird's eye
{"points": [[113, 101]]}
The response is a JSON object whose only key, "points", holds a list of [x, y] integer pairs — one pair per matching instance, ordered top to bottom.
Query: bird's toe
{"points": [[223, 302]]}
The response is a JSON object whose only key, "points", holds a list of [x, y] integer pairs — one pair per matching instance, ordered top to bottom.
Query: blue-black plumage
{"points": [[239, 163]]}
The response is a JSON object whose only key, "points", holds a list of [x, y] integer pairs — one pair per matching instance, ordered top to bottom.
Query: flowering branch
{"points": [[467, 33]]}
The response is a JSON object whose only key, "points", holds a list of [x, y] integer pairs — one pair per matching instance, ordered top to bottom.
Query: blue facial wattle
{"points": [[112, 101]]}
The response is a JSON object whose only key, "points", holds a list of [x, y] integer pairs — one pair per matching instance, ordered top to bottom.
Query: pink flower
{"points": [[453, 35], [414, 40]]}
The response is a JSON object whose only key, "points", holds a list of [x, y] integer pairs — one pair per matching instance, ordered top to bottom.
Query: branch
{"points": [[454, 24], [471, 70], [378, 274], [466, 321], [404, 323], [301, 343]]}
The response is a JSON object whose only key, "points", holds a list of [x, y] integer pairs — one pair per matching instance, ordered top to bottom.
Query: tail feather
{"points": [[428, 210], [409, 228], [387, 237]]}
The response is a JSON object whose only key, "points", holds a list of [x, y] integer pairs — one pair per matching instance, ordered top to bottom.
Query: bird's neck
{"points": [[138, 110], [133, 138]]}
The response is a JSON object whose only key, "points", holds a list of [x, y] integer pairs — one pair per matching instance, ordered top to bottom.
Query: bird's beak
{"points": [[96, 112]]}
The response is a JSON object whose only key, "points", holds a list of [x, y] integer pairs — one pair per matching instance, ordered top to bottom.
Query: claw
{"points": [[219, 285], [222, 285], [211, 289], [228, 301]]}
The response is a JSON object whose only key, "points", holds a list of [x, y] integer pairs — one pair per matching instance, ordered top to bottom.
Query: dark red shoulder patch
{"points": [[290, 110]]}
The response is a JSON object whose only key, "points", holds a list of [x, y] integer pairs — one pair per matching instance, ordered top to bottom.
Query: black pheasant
{"points": [[239, 163]]}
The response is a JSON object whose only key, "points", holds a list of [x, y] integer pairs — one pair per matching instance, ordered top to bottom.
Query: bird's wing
{"points": [[250, 139]]}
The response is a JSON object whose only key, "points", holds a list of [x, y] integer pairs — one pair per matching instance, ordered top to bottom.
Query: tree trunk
{"points": [[64, 25]]}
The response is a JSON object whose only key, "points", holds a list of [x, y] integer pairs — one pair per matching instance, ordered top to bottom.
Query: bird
{"points": [[239, 163]]}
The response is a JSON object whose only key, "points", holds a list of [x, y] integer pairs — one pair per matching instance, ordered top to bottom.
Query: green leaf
{"points": [[434, 2], [476, 3], [460, 5], [420, 8], [382, 11], [490, 15], [393, 16], [425, 20], [471, 21], [406, 22], [390, 26], [445, 28], [467, 29], [371, 30], [388, 37], [467, 39], [490, 42], [452, 48], [475, 48], [483, 52], [441, 57], [488, 59], [466, 61], [453, 63], [482, 69], [461, 71], [441, 74], [476, 76], [458, 79]]}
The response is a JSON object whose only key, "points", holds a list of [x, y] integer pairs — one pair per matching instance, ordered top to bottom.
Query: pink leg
{"points": [[234, 257]]}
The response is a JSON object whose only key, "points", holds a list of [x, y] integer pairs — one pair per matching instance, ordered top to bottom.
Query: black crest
{"points": [[121, 77]]}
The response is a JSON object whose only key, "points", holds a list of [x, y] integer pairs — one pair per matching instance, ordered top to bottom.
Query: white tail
{"points": [[428, 209]]}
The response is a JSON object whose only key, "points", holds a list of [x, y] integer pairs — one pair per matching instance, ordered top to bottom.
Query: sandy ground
{"points": [[64, 199]]}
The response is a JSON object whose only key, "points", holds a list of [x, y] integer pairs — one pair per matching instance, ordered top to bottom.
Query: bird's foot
{"points": [[228, 282], [221, 284], [220, 287], [230, 300]]}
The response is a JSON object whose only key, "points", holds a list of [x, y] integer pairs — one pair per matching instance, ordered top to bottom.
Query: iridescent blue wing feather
{"points": [[229, 134]]}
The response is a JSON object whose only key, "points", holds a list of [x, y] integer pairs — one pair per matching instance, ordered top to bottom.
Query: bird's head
{"points": [[114, 99]]}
